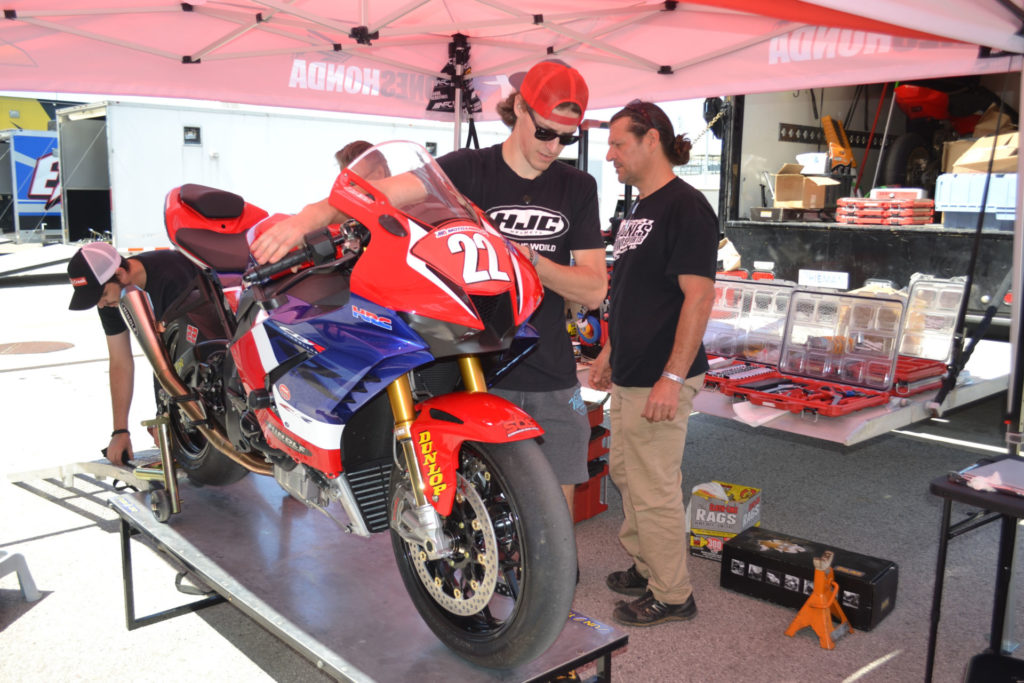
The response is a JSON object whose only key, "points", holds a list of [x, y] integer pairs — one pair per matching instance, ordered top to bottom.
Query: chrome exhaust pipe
{"points": [[138, 315]]}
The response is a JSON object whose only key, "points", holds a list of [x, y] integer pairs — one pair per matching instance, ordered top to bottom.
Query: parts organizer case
{"points": [[928, 328], [743, 337], [838, 355], [780, 568]]}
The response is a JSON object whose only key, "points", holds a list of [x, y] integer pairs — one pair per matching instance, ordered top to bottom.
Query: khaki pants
{"points": [[645, 460]]}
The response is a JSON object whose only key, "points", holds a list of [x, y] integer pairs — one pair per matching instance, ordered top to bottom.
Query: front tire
{"points": [[504, 595]]}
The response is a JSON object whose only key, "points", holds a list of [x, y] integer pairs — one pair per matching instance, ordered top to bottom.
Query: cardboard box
{"points": [[986, 125], [952, 151], [976, 158], [793, 190], [711, 516], [708, 546], [780, 568]]}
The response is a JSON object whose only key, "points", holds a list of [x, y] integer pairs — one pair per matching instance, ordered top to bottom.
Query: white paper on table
{"points": [[755, 415]]}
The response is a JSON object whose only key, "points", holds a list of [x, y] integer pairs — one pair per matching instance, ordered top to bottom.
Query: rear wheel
{"points": [[203, 463], [504, 595]]}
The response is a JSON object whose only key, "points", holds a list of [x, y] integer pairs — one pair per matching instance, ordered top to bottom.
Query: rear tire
{"points": [[911, 162], [203, 463], [504, 596]]}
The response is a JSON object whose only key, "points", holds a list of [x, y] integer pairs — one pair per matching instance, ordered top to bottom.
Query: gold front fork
{"points": [[472, 374], [400, 395]]}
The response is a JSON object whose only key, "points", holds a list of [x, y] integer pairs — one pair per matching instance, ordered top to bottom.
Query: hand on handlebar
{"points": [[276, 242]]}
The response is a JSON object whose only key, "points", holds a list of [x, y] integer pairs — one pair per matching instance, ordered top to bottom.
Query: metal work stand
{"points": [[336, 599], [130, 620]]}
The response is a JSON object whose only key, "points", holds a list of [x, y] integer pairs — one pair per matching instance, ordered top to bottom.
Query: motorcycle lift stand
{"points": [[336, 599]]}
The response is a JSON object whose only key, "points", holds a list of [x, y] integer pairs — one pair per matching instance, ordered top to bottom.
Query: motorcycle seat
{"points": [[210, 202], [220, 251]]}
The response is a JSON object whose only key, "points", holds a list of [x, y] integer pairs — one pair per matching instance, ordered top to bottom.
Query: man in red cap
{"points": [[550, 211], [98, 274]]}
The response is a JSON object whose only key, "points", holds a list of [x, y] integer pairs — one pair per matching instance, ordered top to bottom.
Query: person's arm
{"points": [[280, 239], [276, 242], [585, 282], [693, 319], [600, 376], [122, 385]]}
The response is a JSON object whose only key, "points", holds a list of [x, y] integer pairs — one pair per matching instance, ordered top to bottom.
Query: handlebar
{"points": [[319, 247]]}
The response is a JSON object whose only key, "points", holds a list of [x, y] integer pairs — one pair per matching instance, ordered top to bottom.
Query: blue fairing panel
{"points": [[345, 355]]}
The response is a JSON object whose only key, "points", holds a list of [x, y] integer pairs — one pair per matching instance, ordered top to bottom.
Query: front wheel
{"points": [[503, 596]]}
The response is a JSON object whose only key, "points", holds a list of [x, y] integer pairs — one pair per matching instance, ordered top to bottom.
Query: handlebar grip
{"points": [[268, 270]]}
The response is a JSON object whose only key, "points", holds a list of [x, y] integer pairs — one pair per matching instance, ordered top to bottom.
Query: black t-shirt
{"points": [[556, 214], [669, 233], [168, 275]]}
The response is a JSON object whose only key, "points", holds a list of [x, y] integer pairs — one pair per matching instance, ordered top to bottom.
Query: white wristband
{"points": [[674, 378]]}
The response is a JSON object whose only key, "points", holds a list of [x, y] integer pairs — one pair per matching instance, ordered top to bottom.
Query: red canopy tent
{"points": [[382, 57]]}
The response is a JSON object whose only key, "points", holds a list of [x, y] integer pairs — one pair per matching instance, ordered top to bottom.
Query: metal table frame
{"points": [[991, 507]]}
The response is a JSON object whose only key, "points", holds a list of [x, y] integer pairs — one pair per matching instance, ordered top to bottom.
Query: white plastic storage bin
{"points": [[958, 196]]}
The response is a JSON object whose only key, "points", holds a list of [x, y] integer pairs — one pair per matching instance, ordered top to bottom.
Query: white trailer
{"points": [[120, 159]]}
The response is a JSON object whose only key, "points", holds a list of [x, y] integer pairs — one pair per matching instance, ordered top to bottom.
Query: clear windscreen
{"points": [[413, 182]]}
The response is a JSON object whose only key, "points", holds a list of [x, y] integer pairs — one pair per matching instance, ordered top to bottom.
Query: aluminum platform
{"points": [[336, 599]]}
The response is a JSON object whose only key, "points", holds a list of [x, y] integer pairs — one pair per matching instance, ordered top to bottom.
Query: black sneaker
{"points": [[629, 582], [649, 611]]}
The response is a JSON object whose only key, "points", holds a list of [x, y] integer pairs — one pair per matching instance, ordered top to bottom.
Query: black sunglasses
{"points": [[546, 134]]}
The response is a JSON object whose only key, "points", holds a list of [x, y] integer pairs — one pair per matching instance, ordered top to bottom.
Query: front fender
{"points": [[444, 422]]}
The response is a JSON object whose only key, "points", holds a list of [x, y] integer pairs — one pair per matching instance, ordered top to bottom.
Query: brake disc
{"points": [[456, 583]]}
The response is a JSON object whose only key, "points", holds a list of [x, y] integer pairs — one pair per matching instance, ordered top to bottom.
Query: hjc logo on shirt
{"points": [[528, 222]]}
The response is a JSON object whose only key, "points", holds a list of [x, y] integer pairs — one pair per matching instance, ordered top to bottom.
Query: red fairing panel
{"points": [[178, 215], [393, 271], [484, 417]]}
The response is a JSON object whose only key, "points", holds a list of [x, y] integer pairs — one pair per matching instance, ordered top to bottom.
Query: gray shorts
{"points": [[563, 416]]}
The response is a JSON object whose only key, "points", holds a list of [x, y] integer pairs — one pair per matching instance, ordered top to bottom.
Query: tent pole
{"points": [[460, 69]]}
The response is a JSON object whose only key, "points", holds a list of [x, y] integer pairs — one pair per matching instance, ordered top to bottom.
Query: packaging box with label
{"points": [[794, 190], [709, 515], [708, 546], [780, 568]]}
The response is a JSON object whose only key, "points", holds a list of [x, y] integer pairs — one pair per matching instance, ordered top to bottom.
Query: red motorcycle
{"points": [[355, 370]]}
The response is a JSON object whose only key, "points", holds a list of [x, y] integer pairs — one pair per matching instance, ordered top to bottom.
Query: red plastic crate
{"points": [[598, 445], [588, 500]]}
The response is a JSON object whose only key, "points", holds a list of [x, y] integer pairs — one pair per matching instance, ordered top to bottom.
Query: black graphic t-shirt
{"points": [[556, 214], [671, 232], [168, 275]]}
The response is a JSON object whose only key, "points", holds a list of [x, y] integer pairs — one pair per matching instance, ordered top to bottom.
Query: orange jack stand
{"points": [[822, 605]]}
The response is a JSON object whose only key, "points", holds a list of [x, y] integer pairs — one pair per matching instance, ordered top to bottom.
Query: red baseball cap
{"points": [[549, 85]]}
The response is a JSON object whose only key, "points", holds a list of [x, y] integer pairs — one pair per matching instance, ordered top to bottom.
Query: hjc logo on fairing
{"points": [[528, 222]]}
